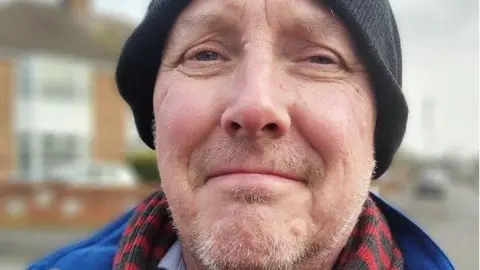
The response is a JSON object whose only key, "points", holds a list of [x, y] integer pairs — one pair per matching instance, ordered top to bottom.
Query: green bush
{"points": [[145, 164]]}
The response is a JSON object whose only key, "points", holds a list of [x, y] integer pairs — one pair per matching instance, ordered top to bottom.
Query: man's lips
{"points": [[252, 172]]}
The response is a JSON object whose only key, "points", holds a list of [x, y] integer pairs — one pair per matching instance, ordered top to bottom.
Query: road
{"points": [[453, 223], [20, 247]]}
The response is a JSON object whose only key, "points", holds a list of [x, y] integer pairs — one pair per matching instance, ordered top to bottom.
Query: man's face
{"points": [[264, 132]]}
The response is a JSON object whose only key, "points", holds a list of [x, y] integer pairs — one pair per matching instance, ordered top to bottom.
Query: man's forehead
{"points": [[208, 10], [307, 14]]}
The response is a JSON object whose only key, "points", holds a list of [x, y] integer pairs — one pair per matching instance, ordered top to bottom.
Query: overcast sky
{"points": [[440, 45]]}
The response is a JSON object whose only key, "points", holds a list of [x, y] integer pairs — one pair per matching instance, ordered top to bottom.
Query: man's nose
{"points": [[257, 110], [255, 118]]}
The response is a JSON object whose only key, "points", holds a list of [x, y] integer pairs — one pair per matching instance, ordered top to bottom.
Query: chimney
{"points": [[77, 8]]}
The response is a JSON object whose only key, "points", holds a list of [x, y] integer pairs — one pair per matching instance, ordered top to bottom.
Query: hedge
{"points": [[145, 164]]}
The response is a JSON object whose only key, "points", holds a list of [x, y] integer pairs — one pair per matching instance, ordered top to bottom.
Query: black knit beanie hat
{"points": [[370, 22]]}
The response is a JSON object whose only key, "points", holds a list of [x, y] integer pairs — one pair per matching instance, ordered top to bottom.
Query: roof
{"points": [[30, 26]]}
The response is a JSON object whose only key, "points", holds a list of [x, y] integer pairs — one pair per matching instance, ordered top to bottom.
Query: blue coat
{"points": [[98, 251]]}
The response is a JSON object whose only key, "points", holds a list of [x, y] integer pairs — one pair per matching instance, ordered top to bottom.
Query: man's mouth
{"points": [[257, 174]]}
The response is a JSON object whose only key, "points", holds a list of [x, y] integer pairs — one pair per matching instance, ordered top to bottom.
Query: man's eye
{"points": [[207, 56], [321, 60]]}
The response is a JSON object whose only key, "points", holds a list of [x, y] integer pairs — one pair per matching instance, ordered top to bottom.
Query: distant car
{"points": [[96, 173], [432, 184]]}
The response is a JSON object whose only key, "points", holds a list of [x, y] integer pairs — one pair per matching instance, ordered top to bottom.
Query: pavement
{"points": [[452, 223], [18, 248]]}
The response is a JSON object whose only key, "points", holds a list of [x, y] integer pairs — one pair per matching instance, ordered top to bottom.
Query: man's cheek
{"points": [[181, 120], [325, 124]]}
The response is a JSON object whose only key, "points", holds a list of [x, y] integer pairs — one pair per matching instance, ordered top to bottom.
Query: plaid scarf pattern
{"points": [[150, 234]]}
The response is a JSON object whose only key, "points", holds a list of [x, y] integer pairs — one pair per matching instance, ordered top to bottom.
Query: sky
{"points": [[440, 54]]}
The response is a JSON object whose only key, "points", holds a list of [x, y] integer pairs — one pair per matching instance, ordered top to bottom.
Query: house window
{"points": [[53, 79], [25, 82], [59, 90], [58, 150], [41, 154], [24, 156]]}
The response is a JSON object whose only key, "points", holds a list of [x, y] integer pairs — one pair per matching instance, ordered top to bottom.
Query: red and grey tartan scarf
{"points": [[150, 234]]}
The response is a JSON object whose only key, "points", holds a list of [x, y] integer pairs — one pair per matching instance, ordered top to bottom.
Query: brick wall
{"points": [[78, 7], [109, 141], [7, 142], [62, 206]]}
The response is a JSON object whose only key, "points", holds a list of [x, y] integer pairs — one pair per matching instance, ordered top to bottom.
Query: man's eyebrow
{"points": [[195, 19], [209, 20], [328, 26]]}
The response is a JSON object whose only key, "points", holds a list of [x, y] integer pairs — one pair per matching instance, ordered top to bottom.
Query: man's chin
{"points": [[253, 195], [251, 237], [237, 248]]}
